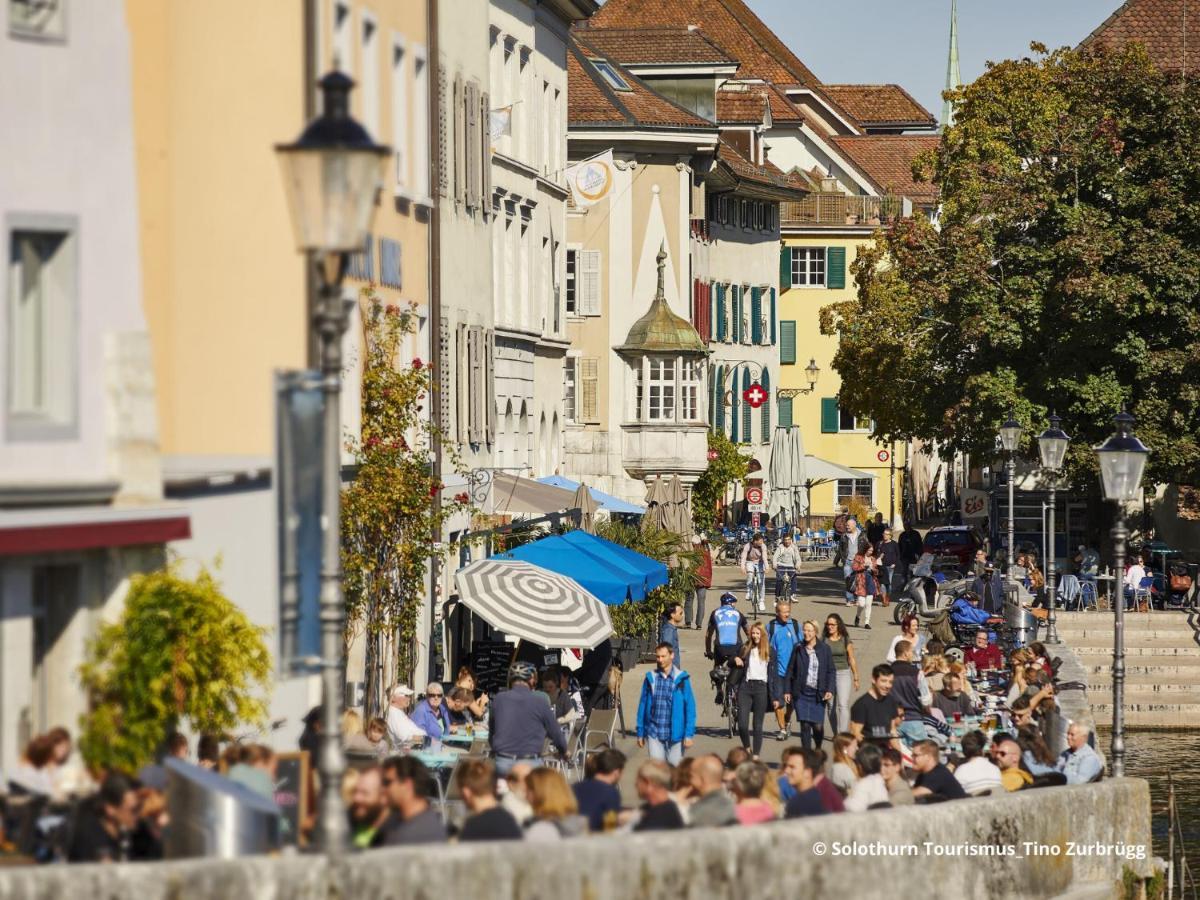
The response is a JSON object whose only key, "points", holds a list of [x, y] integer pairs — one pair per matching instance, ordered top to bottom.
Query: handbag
{"points": [[1180, 583]]}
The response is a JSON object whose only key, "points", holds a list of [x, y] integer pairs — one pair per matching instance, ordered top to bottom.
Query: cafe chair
{"points": [[1143, 593], [1087, 596]]}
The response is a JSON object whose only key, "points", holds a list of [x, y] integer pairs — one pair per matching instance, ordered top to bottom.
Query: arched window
{"points": [[766, 407]]}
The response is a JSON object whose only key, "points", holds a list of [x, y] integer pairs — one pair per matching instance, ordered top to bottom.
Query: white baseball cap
{"points": [[402, 690]]}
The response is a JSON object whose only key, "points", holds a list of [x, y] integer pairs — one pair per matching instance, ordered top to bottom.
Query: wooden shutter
{"points": [[443, 128], [460, 128], [485, 155], [474, 179], [785, 267], [835, 267], [587, 282], [736, 308], [755, 315], [773, 317], [721, 320], [787, 342], [473, 374], [444, 382], [462, 385], [489, 387], [589, 387], [735, 397], [719, 399], [766, 407], [747, 410], [785, 412], [829, 415]]}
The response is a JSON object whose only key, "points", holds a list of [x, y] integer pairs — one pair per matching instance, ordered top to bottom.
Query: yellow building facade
{"points": [[215, 86], [815, 272]]}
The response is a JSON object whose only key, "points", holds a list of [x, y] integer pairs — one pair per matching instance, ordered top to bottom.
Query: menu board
{"points": [[489, 661], [292, 792]]}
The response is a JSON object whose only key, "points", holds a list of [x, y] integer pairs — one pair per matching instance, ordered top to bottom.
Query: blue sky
{"points": [[905, 41]]}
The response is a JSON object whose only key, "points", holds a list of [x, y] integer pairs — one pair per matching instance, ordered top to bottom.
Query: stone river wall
{"points": [[983, 854]]}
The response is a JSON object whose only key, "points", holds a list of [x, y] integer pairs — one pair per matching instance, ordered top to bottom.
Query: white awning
{"points": [[819, 471]]}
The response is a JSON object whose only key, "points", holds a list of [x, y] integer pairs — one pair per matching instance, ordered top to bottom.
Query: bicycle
{"points": [[788, 576], [755, 590], [729, 708]]}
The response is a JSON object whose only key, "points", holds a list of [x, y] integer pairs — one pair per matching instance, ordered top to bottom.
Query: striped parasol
{"points": [[534, 604]]}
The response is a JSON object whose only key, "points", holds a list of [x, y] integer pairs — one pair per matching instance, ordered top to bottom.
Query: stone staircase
{"points": [[1162, 665]]}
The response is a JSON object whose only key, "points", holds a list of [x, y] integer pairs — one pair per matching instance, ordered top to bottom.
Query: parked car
{"points": [[960, 541]]}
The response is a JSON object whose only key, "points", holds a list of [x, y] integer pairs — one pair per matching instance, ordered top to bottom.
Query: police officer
{"points": [[728, 626]]}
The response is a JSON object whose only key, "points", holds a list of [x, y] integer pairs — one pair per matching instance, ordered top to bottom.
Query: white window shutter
{"points": [[485, 154], [587, 286], [445, 381], [461, 384], [589, 386], [489, 392]]}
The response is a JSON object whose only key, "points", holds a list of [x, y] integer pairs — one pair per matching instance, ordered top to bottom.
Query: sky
{"points": [[906, 41]]}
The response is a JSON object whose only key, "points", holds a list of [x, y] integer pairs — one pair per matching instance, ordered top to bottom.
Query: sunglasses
{"points": [[434, 696], [388, 782]]}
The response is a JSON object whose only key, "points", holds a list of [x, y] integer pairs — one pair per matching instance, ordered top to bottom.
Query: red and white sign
{"points": [[755, 395], [883, 456], [753, 495], [754, 520]]}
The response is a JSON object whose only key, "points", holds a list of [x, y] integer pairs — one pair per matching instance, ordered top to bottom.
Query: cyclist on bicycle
{"points": [[754, 564], [786, 564], [729, 629]]}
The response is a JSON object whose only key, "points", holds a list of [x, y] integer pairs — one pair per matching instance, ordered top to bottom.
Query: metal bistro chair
{"points": [[1143, 592], [1087, 595], [599, 729]]}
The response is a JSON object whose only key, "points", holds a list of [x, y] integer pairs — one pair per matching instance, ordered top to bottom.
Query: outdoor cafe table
{"points": [[465, 738]]}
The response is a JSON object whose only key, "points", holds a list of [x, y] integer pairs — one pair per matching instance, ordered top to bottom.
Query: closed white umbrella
{"points": [[779, 472], [799, 476], [587, 506], [534, 604]]}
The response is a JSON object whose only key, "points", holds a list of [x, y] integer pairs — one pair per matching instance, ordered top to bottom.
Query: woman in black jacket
{"points": [[812, 682]]}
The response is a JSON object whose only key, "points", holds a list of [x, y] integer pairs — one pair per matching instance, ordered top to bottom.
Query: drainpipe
{"points": [[310, 74], [434, 280]]}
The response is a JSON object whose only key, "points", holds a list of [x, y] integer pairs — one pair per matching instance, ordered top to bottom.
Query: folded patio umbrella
{"points": [[779, 473], [587, 507], [529, 602]]}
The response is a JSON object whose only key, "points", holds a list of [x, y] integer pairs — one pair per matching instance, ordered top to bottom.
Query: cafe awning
{"points": [[820, 471], [512, 495], [607, 502], [613, 575]]}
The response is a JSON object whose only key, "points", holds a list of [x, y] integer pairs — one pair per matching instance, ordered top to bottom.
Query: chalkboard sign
{"points": [[489, 661], [292, 792]]}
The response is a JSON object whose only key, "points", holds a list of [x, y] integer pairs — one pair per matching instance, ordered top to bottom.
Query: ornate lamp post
{"points": [[332, 175], [812, 372], [1010, 441], [1052, 444], [1122, 461]]}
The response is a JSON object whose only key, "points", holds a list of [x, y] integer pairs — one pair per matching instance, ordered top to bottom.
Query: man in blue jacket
{"points": [[666, 717]]}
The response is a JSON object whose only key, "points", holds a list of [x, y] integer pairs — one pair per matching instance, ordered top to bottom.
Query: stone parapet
{"points": [[984, 855]]}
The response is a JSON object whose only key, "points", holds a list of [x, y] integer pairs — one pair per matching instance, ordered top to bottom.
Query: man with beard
{"points": [[368, 806]]}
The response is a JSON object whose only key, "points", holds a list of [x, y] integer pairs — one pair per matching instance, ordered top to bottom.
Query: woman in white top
{"points": [[1133, 578], [909, 626], [752, 692], [870, 791]]}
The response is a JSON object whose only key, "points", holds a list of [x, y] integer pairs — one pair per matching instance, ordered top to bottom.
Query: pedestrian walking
{"points": [[840, 522], [911, 543], [852, 545], [888, 553], [703, 576], [860, 585], [668, 631], [783, 634], [755, 660], [845, 666], [811, 684], [666, 716]]}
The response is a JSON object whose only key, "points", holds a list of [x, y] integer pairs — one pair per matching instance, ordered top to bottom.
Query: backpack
{"points": [[774, 623]]}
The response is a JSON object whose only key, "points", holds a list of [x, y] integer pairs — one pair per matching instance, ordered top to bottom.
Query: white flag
{"points": [[500, 122], [591, 180]]}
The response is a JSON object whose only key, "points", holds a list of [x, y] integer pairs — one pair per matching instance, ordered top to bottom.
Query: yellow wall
{"points": [[216, 85], [856, 450]]}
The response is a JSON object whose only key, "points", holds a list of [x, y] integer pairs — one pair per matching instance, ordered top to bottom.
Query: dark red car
{"points": [[960, 541]]}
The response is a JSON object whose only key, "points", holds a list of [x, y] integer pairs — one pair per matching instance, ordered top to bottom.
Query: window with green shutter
{"points": [[785, 267], [835, 267], [736, 310], [755, 315], [722, 321], [773, 326], [787, 342], [719, 399], [734, 400], [766, 407], [785, 412], [829, 415], [747, 432]]}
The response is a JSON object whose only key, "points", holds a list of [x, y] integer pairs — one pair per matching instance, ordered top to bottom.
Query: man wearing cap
{"points": [[520, 721], [401, 729]]}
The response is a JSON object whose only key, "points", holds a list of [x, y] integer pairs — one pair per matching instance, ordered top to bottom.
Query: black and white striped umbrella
{"points": [[532, 603]]}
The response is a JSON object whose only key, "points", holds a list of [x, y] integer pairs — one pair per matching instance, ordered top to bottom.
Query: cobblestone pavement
{"points": [[819, 592]]}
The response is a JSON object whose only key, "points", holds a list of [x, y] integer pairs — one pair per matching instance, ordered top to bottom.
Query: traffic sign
{"points": [[755, 395], [883, 456], [754, 495], [754, 521]]}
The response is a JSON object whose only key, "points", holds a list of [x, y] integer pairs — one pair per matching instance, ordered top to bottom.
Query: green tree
{"points": [[1063, 274], [709, 491], [393, 512], [640, 618], [181, 653]]}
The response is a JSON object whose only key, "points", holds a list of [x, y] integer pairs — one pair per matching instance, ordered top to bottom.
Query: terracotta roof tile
{"points": [[730, 23], [1169, 29], [657, 46], [592, 102], [879, 104], [742, 106], [887, 160], [746, 170]]}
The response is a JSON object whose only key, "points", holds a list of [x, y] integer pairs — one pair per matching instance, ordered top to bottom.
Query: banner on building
{"points": [[500, 122], [591, 180], [974, 504]]}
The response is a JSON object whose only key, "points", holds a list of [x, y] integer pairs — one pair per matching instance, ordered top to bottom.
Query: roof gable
{"points": [[1169, 30], [664, 45], [880, 104], [887, 160]]}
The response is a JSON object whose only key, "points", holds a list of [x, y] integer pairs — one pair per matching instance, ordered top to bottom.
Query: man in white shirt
{"points": [[786, 564], [401, 729], [977, 774]]}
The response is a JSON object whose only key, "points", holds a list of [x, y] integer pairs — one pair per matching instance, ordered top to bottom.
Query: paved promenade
{"points": [[819, 590]]}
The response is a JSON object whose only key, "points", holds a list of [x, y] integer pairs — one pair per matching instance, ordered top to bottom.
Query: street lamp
{"points": [[332, 175], [811, 372], [1010, 441], [1052, 444], [1122, 461]]}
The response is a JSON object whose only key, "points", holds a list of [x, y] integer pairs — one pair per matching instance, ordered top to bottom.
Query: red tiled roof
{"points": [[730, 23], [1169, 30], [657, 46], [592, 102], [879, 104], [742, 107], [887, 160], [745, 170]]}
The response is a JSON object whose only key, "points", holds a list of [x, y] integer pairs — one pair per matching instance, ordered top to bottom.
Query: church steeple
{"points": [[953, 79]]}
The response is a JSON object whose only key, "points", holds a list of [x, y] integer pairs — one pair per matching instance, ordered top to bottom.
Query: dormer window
{"points": [[610, 75]]}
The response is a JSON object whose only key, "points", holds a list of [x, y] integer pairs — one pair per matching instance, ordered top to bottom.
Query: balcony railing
{"points": [[835, 208]]}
